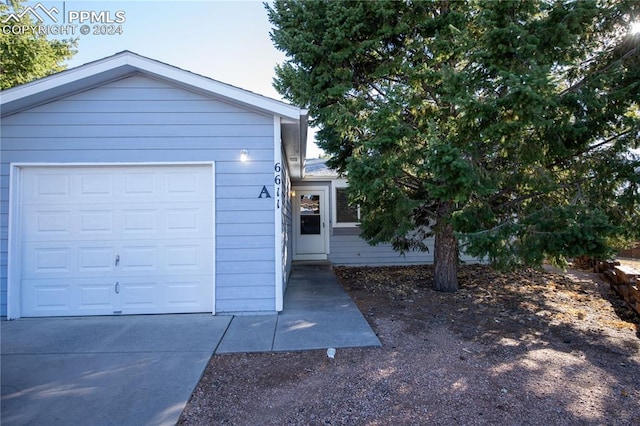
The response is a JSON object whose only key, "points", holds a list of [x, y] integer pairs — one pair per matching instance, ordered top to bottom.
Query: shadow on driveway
{"points": [[104, 370]]}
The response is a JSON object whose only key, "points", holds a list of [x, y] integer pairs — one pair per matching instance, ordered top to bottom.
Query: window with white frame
{"points": [[343, 213]]}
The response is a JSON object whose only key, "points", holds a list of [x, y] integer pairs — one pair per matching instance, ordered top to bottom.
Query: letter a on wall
{"points": [[264, 192]]}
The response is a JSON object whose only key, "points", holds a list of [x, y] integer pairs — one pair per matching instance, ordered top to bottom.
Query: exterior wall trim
{"points": [[278, 185], [335, 185], [327, 215]]}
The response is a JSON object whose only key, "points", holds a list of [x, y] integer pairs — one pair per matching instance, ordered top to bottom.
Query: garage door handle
{"points": [[117, 259], [117, 287]]}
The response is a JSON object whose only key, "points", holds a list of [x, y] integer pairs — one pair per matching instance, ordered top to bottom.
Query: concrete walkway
{"points": [[317, 314], [141, 370]]}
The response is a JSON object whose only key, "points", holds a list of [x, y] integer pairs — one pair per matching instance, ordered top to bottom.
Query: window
{"points": [[345, 214], [310, 223]]}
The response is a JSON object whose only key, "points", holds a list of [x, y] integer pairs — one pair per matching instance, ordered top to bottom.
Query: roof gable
{"points": [[123, 64], [293, 120]]}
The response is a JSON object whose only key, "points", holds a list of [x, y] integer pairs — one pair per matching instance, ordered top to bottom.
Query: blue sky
{"points": [[225, 40]]}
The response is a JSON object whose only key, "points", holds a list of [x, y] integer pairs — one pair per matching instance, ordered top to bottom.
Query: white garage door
{"points": [[103, 240]]}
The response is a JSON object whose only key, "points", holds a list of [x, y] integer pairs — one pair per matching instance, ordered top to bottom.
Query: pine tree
{"points": [[501, 128]]}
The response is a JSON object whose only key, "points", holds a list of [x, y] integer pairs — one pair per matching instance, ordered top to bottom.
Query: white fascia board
{"points": [[128, 62], [62, 78], [214, 87], [224, 90]]}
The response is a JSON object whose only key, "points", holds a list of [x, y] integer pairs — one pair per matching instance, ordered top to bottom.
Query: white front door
{"points": [[311, 213], [104, 240]]}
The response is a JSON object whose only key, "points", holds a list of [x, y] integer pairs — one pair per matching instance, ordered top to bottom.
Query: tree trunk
{"points": [[445, 254]]}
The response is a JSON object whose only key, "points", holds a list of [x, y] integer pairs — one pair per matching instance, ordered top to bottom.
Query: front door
{"points": [[311, 223]]}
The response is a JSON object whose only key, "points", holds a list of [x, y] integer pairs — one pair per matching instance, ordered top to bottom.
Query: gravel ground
{"points": [[526, 348]]}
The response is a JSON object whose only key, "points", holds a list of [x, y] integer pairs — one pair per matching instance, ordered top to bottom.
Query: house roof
{"points": [[293, 119], [317, 168]]}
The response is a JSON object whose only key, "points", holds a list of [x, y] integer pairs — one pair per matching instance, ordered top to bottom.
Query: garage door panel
{"points": [[96, 183], [140, 184], [182, 184], [45, 186], [97, 186], [105, 219], [186, 219], [141, 220], [181, 220], [98, 221], [63, 222], [48, 223], [117, 239], [159, 256], [185, 257], [138, 258], [60, 259], [48, 260], [93, 260], [145, 294], [166, 294], [191, 294], [135, 295], [51, 297], [66, 297], [97, 297]]}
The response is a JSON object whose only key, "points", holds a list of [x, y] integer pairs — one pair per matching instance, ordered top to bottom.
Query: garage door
{"points": [[104, 240]]}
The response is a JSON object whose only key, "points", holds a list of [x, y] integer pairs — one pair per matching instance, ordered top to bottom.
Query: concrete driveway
{"points": [[104, 370], [141, 370]]}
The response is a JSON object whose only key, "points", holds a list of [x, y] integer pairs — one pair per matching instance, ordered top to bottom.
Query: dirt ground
{"points": [[525, 348]]}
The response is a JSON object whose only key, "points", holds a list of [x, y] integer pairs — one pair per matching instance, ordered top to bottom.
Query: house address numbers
{"points": [[277, 179]]}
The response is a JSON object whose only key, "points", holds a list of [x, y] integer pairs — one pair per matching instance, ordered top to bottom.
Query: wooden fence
{"points": [[633, 253]]}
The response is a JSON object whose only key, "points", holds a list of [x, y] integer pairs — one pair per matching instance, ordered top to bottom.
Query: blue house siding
{"points": [[140, 119], [345, 245], [347, 248]]}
